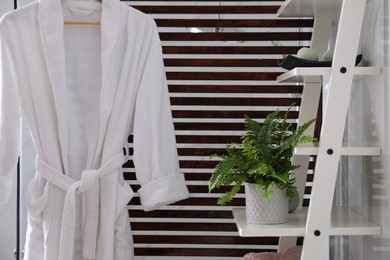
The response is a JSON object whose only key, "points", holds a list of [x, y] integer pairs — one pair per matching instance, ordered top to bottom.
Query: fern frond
{"points": [[263, 157], [222, 174], [228, 196]]}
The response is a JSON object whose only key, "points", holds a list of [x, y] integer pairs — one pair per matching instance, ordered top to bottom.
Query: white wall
{"points": [[368, 177]]}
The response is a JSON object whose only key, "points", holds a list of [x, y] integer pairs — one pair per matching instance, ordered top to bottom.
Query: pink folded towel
{"points": [[293, 253]]}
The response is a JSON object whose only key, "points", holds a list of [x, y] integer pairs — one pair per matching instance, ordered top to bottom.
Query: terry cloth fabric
{"points": [[293, 253]]}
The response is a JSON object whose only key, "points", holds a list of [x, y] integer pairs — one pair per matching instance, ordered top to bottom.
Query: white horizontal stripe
{"points": [[215, 3], [213, 16], [243, 29], [265, 43], [218, 56], [224, 69], [223, 82], [230, 83], [235, 95], [219, 108], [208, 120], [211, 133], [200, 146], [197, 158], [184, 170], [196, 170], [199, 183], [204, 195], [214, 195], [189, 207], [182, 220], [183, 233], [205, 246], [186, 258]]}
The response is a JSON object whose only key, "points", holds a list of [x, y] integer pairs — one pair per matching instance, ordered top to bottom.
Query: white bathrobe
{"points": [[83, 89]]}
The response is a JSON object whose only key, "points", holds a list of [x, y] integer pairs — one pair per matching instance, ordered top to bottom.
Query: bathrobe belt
{"points": [[89, 184]]}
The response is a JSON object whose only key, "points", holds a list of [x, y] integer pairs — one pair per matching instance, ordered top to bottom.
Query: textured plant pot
{"points": [[265, 211]]}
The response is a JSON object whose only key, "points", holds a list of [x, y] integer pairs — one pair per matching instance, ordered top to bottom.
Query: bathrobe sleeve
{"points": [[9, 123], [155, 153]]}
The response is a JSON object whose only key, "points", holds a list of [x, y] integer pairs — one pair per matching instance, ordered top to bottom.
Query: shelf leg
{"points": [[308, 110], [334, 118]]}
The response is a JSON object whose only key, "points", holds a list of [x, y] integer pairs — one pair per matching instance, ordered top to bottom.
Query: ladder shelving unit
{"points": [[322, 219]]}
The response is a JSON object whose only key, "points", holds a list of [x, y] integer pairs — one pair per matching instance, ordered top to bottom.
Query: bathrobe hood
{"points": [[83, 91]]}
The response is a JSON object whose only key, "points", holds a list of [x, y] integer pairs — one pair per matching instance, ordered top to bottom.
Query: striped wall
{"points": [[221, 64]]}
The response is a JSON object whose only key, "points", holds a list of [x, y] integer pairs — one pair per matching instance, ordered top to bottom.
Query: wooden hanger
{"points": [[81, 23]]}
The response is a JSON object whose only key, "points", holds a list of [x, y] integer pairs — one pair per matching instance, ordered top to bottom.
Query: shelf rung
{"points": [[299, 74], [354, 150], [344, 221]]}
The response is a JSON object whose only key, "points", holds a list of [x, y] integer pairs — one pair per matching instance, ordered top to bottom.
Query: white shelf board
{"points": [[309, 8], [302, 73], [351, 149], [344, 221]]}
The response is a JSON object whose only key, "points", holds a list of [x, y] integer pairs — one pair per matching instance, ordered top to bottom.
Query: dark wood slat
{"points": [[197, 9], [232, 23], [240, 37], [213, 50], [221, 62], [222, 75], [236, 89], [192, 101], [221, 114], [209, 126], [201, 139], [195, 151], [199, 152], [197, 164], [197, 176], [198, 188], [205, 189], [197, 202], [206, 214], [181, 226], [161, 239], [207, 252]]}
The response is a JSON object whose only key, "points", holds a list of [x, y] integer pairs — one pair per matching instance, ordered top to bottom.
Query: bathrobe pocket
{"points": [[124, 194], [37, 198], [36, 202], [123, 239]]}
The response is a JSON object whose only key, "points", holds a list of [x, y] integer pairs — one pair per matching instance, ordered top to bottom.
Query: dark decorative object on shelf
{"points": [[292, 62]]}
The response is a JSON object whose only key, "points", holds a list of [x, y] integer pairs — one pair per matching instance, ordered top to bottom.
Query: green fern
{"points": [[263, 157]]}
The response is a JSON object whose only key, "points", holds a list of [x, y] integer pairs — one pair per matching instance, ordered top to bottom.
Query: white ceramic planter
{"points": [[265, 211]]}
